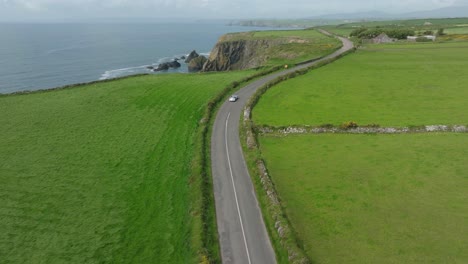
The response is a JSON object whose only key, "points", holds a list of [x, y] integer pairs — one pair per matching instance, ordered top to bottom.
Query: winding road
{"points": [[242, 233]]}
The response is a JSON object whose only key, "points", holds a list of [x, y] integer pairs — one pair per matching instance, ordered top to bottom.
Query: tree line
{"points": [[397, 33]]}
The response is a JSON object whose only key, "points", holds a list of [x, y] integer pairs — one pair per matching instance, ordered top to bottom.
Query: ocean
{"points": [[42, 56]]}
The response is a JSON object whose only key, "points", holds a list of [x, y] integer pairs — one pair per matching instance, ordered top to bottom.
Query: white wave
{"points": [[142, 69], [123, 72]]}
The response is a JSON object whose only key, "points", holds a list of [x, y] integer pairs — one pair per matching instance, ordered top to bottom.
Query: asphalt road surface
{"points": [[242, 233]]}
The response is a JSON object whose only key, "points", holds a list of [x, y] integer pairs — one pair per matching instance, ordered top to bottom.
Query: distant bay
{"points": [[41, 56]]}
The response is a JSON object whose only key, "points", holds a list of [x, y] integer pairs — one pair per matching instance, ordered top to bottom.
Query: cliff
{"points": [[238, 51]]}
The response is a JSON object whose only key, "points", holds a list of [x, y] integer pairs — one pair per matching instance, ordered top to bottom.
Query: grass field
{"points": [[416, 23], [450, 25], [342, 30], [456, 30], [299, 46], [390, 85], [100, 173], [374, 198]]}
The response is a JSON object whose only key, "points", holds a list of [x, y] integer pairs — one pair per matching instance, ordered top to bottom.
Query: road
{"points": [[242, 233]]}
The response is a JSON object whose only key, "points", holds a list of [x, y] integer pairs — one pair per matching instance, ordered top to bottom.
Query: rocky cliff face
{"points": [[232, 53]]}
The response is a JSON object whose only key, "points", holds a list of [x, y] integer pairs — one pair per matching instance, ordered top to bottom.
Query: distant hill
{"points": [[447, 12], [357, 15], [345, 18]]}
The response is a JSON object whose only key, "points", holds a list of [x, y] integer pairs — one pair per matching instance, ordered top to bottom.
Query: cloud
{"points": [[209, 8]]}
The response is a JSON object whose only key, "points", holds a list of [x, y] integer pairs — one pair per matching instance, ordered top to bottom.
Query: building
{"points": [[382, 38]]}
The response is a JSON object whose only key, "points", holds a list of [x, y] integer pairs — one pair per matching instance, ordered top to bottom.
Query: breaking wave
{"points": [[110, 74]]}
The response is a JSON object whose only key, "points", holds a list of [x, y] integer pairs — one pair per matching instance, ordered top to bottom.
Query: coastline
{"points": [[46, 56], [68, 86]]}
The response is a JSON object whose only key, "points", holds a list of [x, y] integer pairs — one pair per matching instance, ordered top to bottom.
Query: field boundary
{"points": [[369, 129], [281, 232]]}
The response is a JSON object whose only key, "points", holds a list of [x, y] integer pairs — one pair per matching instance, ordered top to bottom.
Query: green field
{"points": [[415, 23], [450, 25], [456, 30], [340, 31], [296, 45], [390, 85], [100, 173], [374, 198]]}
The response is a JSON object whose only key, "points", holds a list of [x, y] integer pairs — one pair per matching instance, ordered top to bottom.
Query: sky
{"points": [[44, 10]]}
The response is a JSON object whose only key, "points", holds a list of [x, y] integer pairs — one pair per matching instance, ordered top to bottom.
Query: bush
{"points": [[357, 32], [440, 32], [398, 33], [423, 39], [349, 125]]}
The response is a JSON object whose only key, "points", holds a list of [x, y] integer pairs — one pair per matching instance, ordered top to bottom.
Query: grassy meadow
{"points": [[428, 23], [450, 26], [457, 30], [343, 31], [299, 46], [390, 85], [100, 173], [374, 198]]}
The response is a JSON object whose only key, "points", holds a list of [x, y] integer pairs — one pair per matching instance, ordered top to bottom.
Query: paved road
{"points": [[242, 232]]}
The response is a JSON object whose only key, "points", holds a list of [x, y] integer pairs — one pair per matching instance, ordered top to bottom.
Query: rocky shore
{"points": [[232, 52], [194, 63]]}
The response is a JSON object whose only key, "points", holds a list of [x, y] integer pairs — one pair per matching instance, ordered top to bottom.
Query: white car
{"points": [[233, 98]]}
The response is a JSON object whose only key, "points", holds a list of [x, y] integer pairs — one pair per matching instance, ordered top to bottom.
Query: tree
{"points": [[357, 32], [440, 32]]}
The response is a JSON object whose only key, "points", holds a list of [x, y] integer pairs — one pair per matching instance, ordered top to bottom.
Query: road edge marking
{"points": [[234, 188]]}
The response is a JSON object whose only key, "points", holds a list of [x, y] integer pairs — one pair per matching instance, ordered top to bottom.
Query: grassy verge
{"points": [[390, 85], [101, 172], [374, 198]]}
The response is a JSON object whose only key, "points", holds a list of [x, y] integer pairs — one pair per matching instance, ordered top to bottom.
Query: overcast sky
{"points": [[26, 10]]}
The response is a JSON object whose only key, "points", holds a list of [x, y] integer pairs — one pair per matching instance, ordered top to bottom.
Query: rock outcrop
{"points": [[191, 56], [197, 64], [165, 66]]}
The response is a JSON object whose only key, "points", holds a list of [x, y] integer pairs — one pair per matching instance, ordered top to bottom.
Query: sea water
{"points": [[41, 56]]}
